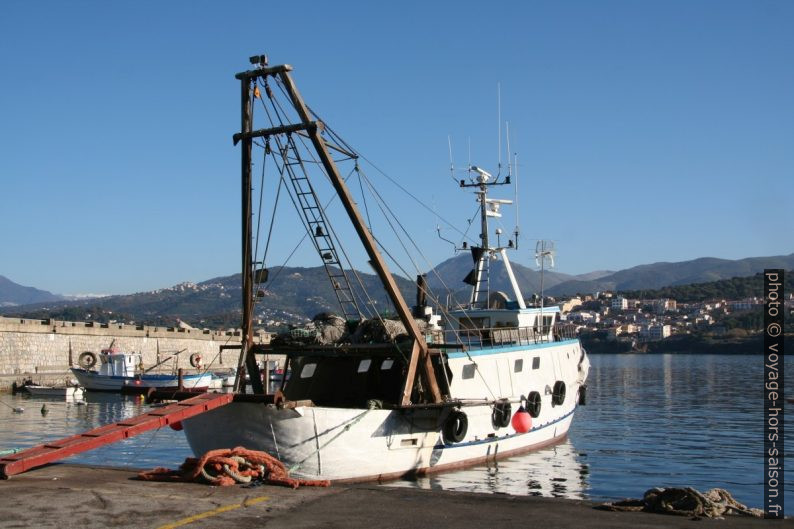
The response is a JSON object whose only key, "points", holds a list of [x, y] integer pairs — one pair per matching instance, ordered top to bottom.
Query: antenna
{"points": [[499, 126], [469, 153], [451, 164], [509, 165], [515, 201], [438, 230], [544, 250]]}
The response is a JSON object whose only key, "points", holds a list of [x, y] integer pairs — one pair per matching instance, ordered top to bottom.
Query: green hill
{"points": [[734, 288]]}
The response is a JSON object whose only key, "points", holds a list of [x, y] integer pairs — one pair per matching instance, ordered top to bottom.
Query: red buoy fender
{"points": [[522, 421]]}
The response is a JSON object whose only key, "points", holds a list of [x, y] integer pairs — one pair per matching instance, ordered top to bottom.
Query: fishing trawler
{"points": [[451, 387]]}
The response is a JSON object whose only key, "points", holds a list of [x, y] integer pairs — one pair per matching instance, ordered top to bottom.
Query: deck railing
{"points": [[489, 337]]}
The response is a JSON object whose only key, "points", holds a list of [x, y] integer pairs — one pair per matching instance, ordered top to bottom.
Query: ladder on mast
{"points": [[319, 231], [482, 288]]}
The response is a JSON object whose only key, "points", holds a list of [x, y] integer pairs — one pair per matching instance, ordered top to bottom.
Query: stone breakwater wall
{"points": [[39, 349]]}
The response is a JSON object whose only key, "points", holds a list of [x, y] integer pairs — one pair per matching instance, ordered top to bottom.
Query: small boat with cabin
{"points": [[122, 371]]}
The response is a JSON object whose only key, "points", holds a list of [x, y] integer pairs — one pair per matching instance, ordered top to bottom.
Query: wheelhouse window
{"points": [[536, 362], [386, 365], [363, 366], [518, 366], [308, 370], [468, 371]]}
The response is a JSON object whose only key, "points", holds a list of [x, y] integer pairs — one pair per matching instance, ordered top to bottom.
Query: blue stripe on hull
{"points": [[510, 349]]}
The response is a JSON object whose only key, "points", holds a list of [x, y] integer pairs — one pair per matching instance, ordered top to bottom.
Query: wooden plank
{"points": [[263, 72], [283, 129]]}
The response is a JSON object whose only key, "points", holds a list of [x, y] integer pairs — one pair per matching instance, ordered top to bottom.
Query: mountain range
{"points": [[658, 275], [294, 293], [13, 294]]}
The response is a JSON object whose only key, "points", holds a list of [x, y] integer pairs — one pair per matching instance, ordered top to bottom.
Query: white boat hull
{"points": [[94, 381], [354, 444]]}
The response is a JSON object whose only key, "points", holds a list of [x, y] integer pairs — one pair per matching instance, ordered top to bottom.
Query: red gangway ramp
{"points": [[69, 446]]}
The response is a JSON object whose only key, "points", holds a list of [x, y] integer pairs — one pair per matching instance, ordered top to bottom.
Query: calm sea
{"points": [[650, 420]]}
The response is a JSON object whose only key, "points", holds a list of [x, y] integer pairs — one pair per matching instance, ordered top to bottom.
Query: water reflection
{"points": [[651, 420], [674, 420], [164, 447], [557, 471]]}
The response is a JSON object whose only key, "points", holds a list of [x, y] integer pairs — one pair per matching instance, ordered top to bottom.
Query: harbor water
{"points": [[650, 420]]}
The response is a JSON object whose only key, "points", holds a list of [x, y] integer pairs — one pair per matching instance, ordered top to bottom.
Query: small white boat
{"points": [[120, 371], [68, 392]]}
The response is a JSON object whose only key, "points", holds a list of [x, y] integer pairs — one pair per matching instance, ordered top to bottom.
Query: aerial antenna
{"points": [[499, 127], [469, 154], [451, 164], [509, 165], [515, 200], [438, 230], [544, 251]]}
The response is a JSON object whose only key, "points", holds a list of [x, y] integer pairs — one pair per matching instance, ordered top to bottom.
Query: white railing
{"points": [[495, 336]]}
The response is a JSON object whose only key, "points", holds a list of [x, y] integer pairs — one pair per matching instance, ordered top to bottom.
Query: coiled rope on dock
{"points": [[224, 467], [685, 501]]}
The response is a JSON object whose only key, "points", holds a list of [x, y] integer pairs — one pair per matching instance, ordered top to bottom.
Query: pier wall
{"points": [[39, 349]]}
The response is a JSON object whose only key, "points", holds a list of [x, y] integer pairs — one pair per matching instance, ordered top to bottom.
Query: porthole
{"points": [[536, 362], [518, 366]]}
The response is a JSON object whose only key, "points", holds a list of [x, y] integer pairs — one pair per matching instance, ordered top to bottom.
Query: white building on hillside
{"points": [[620, 303]]}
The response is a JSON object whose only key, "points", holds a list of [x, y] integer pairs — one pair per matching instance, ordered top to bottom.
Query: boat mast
{"points": [[481, 254], [484, 254], [420, 356], [247, 359]]}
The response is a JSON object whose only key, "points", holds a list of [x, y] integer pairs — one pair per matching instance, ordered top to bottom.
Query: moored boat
{"points": [[121, 370], [497, 378], [68, 392]]}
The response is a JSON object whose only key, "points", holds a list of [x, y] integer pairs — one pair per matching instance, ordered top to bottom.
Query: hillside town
{"points": [[635, 322]]}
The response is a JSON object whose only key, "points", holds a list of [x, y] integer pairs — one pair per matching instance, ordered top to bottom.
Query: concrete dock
{"points": [[64, 496]]}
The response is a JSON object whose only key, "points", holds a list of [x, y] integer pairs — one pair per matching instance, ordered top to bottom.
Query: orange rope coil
{"points": [[224, 467]]}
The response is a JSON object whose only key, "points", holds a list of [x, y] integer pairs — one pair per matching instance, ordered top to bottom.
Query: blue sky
{"points": [[646, 131]]}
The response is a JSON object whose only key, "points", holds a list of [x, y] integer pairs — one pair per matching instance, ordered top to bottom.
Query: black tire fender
{"points": [[558, 393], [533, 404], [501, 414], [455, 427]]}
